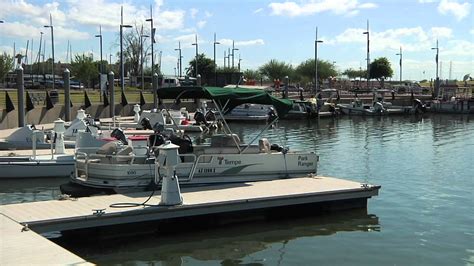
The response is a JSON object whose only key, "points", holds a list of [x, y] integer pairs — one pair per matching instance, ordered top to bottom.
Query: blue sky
{"points": [[262, 30]]}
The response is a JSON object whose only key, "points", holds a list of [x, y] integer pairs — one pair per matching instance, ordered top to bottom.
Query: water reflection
{"points": [[29, 189], [226, 245]]}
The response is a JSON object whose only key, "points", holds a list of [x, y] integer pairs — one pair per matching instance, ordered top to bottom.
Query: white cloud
{"points": [[338, 7], [453, 7], [258, 11], [193, 12], [208, 14], [201, 24], [471, 31], [441, 32], [411, 39], [187, 40], [228, 42], [250, 42], [458, 48]]}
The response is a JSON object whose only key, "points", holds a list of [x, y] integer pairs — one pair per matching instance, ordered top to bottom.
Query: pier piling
{"points": [[111, 93], [67, 95], [21, 96]]}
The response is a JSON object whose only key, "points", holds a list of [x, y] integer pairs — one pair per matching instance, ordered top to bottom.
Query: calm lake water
{"points": [[424, 214]]}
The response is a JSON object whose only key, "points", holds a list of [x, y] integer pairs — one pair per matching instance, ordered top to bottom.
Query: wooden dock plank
{"points": [[193, 197], [19, 247]]}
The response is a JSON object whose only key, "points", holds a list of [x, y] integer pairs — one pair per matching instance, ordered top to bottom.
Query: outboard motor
{"points": [[378, 107], [420, 107], [210, 115], [271, 115], [200, 118], [145, 123], [119, 135], [156, 140], [185, 144], [276, 147]]}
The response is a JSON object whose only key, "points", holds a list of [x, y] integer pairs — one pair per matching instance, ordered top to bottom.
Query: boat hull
{"points": [[25, 167], [211, 169]]}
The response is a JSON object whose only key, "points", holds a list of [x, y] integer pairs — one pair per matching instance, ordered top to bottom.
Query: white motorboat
{"points": [[358, 108], [249, 112], [147, 119], [21, 139], [57, 164], [117, 167]]}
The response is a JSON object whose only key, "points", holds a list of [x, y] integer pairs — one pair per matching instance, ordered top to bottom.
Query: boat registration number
{"points": [[206, 170]]}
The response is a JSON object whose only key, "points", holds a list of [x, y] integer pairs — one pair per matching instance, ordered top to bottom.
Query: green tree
{"points": [[6, 65], [205, 67], [84, 68], [275, 69], [381, 69], [305, 70], [353, 73], [252, 74]]}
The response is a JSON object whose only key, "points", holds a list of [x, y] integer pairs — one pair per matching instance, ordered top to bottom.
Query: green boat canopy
{"points": [[227, 97]]}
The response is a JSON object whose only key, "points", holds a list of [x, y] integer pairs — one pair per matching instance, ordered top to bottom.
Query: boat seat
{"points": [[224, 140], [264, 145]]}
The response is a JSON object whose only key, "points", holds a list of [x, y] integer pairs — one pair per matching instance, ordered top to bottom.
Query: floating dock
{"points": [[214, 201]]}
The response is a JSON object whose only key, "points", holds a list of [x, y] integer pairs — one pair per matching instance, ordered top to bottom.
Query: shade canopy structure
{"points": [[227, 98]]}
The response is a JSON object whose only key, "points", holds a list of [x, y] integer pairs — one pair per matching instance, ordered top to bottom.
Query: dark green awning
{"points": [[228, 97]]}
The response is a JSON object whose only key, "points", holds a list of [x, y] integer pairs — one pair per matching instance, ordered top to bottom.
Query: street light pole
{"points": [[152, 33], [142, 36], [100, 39], [316, 41], [52, 44], [196, 44], [233, 50], [368, 54], [400, 54], [179, 58], [225, 58], [215, 65], [122, 71], [437, 77]]}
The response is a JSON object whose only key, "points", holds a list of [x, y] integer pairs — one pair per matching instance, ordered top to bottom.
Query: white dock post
{"points": [[136, 109], [59, 129], [168, 158]]}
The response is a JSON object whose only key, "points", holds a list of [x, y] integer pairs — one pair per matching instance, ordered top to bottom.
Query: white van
{"points": [[170, 82]]}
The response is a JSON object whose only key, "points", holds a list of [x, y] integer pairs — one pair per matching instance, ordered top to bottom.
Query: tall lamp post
{"points": [[152, 30], [142, 36], [100, 38], [316, 41], [52, 44], [197, 45], [233, 50], [368, 53], [400, 54], [179, 58], [225, 59], [215, 65], [122, 71], [437, 77]]}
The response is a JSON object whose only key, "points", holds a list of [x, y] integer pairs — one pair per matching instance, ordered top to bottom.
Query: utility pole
{"points": [[152, 42], [52, 44], [197, 45], [233, 51], [368, 54], [400, 54], [179, 59], [215, 65], [122, 71], [437, 77], [316, 81]]}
